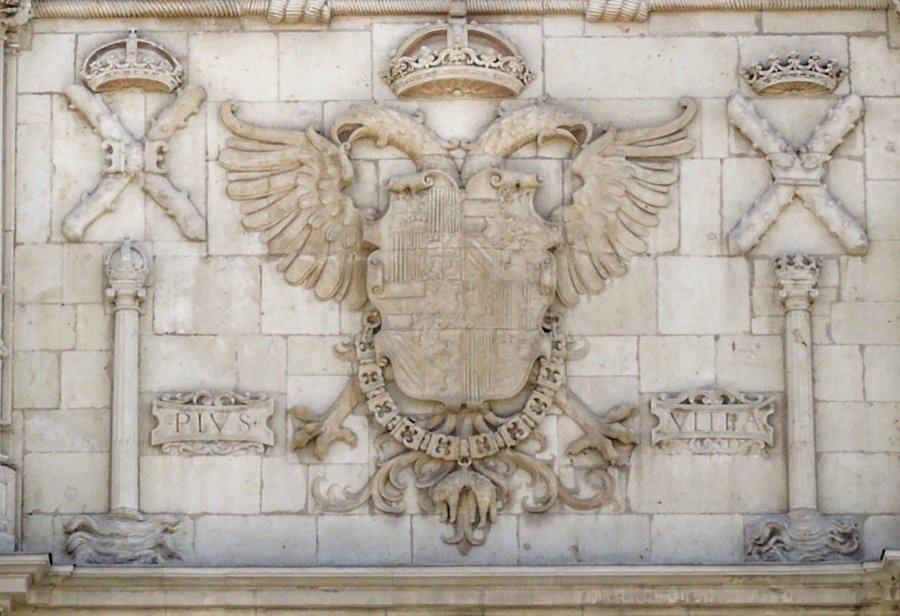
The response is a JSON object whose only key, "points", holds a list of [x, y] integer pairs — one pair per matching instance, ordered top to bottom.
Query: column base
{"points": [[802, 536], [127, 538]]}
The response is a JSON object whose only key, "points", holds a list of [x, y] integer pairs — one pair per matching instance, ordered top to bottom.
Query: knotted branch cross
{"points": [[135, 159], [797, 173]]}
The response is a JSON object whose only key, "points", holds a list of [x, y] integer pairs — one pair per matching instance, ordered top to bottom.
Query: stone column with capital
{"points": [[124, 535], [803, 535]]}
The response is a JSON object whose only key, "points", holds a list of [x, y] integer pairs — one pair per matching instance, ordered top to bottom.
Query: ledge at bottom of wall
{"points": [[32, 584]]}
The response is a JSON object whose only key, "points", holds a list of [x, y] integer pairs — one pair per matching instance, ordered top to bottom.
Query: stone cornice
{"points": [[321, 11], [869, 588]]}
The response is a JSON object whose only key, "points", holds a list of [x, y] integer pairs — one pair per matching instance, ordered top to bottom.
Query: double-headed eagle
{"points": [[463, 280]]}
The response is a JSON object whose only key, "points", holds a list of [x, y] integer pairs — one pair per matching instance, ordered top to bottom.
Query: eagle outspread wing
{"points": [[626, 181], [290, 184]]}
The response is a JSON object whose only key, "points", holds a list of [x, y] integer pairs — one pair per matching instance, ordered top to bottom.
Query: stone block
{"points": [[791, 22], [691, 23], [563, 25], [613, 28], [570, 63], [49, 64], [326, 65], [231, 66], [872, 69], [33, 109], [714, 128], [882, 144], [33, 167], [700, 201], [881, 210], [227, 236], [82, 267], [38, 274], [873, 277], [215, 295], [703, 295], [627, 306], [290, 309], [866, 322], [44, 327], [93, 328], [315, 356], [607, 356], [187, 363], [676, 363], [750, 363], [261, 364], [882, 364], [837, 373], [35, 380], [86, 381], [602, 393], [859, 427], [76, 430], [859, 482], [65, 483], [173, 483], [706, 483], [284, 484], [37, 533], [879, 533], [583, 539], [696, 539], [271, 541], [356, 541], [429, 548]]}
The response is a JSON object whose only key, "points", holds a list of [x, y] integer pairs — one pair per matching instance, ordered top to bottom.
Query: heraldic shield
{"points": [[462, 281], [463, 285]]}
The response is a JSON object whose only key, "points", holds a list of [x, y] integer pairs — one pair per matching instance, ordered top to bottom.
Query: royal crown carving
{"points": [[457, 58], [132, 62], [794, 74], [463, 283]]}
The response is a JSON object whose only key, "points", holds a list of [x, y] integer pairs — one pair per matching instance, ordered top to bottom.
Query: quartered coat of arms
{"points": [[463, 287]]}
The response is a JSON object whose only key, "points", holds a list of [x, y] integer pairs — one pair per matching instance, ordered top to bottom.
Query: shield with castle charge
{"points": [[462, 281]]}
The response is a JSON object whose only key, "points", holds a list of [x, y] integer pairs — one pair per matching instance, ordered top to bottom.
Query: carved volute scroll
{"points": [[461, 272]]}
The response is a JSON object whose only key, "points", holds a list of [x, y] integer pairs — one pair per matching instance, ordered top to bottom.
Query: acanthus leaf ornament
{"points": [[462, 281]]}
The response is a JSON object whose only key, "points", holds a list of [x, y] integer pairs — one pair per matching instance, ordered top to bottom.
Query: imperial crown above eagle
{"points": [[463, 285]]}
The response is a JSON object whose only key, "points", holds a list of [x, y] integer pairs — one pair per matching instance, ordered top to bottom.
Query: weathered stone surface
{"points": [[685, 305], [585, 539], [695, 539], [273, 540]]}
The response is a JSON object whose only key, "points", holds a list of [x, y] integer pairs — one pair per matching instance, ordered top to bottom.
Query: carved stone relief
{"points": [[466, 60], [134, 63], [792, 75], [797, 172], [460, 276], [713, 421], [205, 423], [803, 534], [124, 535]]}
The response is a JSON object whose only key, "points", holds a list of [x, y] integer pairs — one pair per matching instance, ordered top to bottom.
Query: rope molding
{"points": [[321, 11]]}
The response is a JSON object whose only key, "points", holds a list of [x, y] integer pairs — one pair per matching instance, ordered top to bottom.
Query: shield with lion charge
{"points": [[462, 281]]}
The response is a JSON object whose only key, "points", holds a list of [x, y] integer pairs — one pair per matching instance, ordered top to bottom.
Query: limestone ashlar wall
{"points": [[219, 316]]}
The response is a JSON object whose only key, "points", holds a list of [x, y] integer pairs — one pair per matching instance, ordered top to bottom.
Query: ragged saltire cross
{"points": [[132, 159], [797, 173]]}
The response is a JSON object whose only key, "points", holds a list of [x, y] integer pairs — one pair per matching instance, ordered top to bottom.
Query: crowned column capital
{"points": [[797, 276]]}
